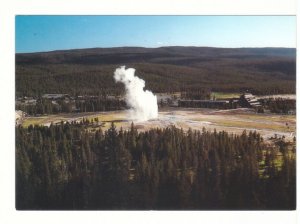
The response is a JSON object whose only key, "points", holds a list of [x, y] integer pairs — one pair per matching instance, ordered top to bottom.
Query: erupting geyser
{"points": [[143, 103]]}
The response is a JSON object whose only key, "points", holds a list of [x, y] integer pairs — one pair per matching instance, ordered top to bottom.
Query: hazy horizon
{"points": [[71, 49]]}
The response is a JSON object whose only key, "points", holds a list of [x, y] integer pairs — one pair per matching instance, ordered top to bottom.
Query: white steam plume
{"points": [[142, 102]]}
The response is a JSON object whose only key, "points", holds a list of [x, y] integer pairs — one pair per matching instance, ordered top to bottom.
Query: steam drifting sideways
{"points": [[143, 103]]}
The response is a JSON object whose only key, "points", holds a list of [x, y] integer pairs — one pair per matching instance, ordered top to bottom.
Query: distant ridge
{"points": [[177, 54], [175, 68]]}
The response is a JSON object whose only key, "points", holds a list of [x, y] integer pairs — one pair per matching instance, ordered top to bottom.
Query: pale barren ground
{"points": [[232, 121]]}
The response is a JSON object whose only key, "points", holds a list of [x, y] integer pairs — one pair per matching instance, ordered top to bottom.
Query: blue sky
{"points": [[47, 33]]}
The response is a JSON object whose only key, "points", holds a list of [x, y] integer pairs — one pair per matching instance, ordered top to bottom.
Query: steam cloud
{"points": [[142, 102]]}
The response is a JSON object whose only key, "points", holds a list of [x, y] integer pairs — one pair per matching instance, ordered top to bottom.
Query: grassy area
{"points": [[222, 95], [110, 116], [107, 117], [117, 117], [268, 117], [33, 121], [253, 121], [254, 125]]}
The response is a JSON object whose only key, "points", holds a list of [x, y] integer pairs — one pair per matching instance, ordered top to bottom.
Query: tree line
{"points": [[196, 94], [279, 105], [46, 106], [66, 167]]}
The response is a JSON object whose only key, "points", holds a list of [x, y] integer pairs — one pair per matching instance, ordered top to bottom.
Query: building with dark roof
{"points": [[249, 100]]}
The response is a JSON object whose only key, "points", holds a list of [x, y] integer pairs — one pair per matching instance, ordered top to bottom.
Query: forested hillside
{"points": [[165, 69]]}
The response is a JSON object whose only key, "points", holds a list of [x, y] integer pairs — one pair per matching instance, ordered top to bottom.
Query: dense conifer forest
{"points": [[165, 69], [46, 106], [66, 167]]}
